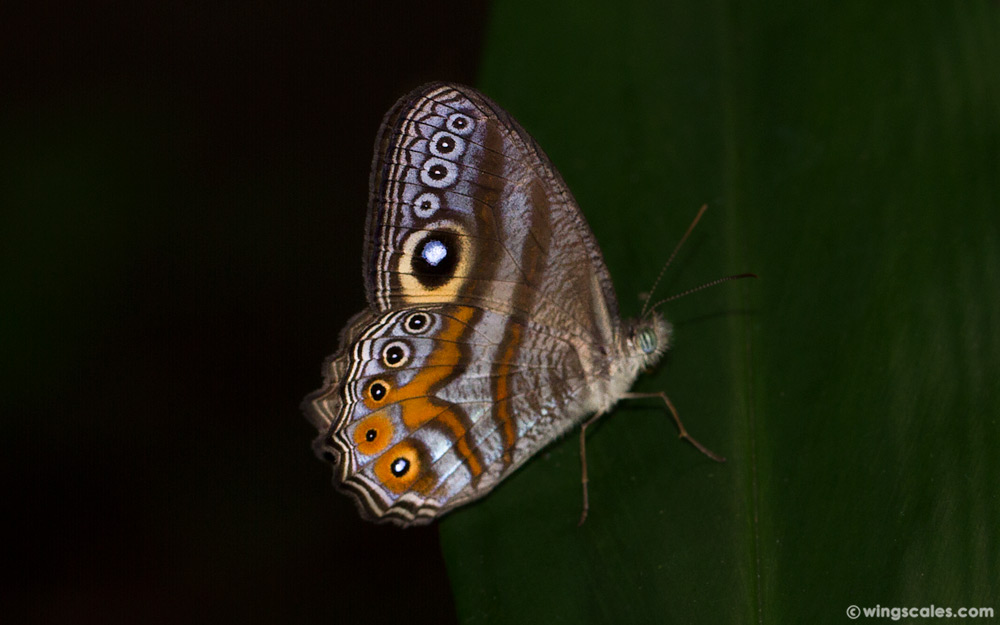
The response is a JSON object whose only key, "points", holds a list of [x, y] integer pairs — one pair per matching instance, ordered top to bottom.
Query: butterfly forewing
{"points": [[465, 208]]}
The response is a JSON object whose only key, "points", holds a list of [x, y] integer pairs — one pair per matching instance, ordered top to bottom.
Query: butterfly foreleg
{"points": [[682, 431]]}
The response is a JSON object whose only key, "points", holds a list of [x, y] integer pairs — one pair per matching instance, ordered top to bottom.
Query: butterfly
{"points": [[492, 326]]}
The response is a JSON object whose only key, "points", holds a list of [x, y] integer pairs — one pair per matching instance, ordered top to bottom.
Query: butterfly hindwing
{"points": [[424, 423]]}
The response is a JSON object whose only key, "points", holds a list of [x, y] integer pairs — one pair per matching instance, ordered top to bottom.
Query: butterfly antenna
{"points": [[694, 222], [699, 288]]}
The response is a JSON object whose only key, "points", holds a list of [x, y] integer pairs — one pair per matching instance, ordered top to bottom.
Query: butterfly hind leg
{"points": [[683, 433], [583, 464]]}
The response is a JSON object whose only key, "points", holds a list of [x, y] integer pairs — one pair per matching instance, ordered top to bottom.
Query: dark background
{"points": [[183, 189]]}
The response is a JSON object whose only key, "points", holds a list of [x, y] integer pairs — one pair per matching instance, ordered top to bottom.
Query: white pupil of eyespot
{"points": [[434, 252]]}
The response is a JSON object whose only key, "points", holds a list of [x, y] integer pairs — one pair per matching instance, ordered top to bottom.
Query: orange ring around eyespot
{"points": [[370, 401], [373, 434], [402, 454]]}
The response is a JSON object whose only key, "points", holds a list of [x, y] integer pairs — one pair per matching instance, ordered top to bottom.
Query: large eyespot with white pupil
{"points": [[460, 124], [447, 145], [438, 173], [426, 204], [435, 258], [435, 262], [417, 323], [395, 354]]}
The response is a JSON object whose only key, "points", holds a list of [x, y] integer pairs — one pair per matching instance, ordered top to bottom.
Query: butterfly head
{"points": [[646, 340]]}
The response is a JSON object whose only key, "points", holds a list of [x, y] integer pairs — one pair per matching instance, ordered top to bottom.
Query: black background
{"points": [[183, 190]]}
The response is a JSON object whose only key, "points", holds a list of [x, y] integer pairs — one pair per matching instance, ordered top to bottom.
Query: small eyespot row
{"points": [[460, 124], [446, 145], [439, 173], [426, 204], [417, 322], [395, 354]]}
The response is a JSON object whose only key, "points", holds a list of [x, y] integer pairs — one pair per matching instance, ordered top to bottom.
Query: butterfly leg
{"points": [[680, 426], [583, 463]]}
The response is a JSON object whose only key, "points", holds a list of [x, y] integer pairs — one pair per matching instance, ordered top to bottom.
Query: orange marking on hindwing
{"points": [[439, 366], [502, 388], [416, 401], [373, 434], [400, 469]]}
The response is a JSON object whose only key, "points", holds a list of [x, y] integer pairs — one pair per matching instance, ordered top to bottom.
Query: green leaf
{"points": [[850, 155]]}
